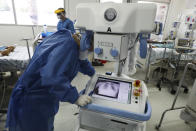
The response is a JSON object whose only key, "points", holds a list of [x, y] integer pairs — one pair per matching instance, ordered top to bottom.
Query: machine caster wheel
{"points": [[186, 91], [173, 92]]}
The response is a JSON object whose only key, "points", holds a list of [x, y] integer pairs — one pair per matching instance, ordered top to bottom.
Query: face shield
{"points": [[60, 12], [59, 15]]}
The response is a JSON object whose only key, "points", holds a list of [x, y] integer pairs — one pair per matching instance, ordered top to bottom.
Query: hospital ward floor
{"points": [[66, 119]]}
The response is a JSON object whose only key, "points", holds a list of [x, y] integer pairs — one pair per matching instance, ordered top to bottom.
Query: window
{"points": [[116, 1], [6, 12], [37, 12], [46, 13]]}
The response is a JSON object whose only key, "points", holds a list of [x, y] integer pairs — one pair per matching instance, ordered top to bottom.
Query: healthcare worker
{"points": [[64, 22], [47, 81]]}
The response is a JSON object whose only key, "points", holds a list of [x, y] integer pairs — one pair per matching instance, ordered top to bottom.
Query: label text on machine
{"points": [[102, 43]]}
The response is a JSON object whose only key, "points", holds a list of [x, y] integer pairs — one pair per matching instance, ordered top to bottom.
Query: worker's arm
{"points": [[58, 26], [71, 27], [86, 68], [55, 75]]}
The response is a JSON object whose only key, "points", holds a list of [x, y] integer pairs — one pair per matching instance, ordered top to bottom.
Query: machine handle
{"points": [[84, 91], [140, 117]]}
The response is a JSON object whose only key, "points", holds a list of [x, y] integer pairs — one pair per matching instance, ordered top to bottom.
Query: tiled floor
{"points": [[65, 120]]}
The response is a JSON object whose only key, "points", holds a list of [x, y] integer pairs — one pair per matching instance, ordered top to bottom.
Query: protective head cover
{"points": [[59, 10], [85, 44]]}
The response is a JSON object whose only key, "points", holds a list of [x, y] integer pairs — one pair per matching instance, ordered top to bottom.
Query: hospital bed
{"points": [[184, 48], [165, 51], [158, 53], [168, 57], [16, 60], [188, 113]]}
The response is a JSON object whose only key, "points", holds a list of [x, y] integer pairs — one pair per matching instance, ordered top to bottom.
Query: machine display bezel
{"points": [[94, 92]]}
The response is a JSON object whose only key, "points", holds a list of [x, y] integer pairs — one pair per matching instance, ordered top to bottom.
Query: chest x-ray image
{"points": [[107, 88]]}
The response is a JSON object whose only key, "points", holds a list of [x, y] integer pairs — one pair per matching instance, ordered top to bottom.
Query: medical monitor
{"points": [[184, 42], [115, 90]]}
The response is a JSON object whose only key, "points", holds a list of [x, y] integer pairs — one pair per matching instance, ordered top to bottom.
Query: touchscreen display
{"points": [[107, 88], [113, 90]]}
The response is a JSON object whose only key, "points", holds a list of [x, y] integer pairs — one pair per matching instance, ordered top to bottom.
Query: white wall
{"points": [[159, 1], [191, 4], [175, 8], [183, 25], [13, 34]]}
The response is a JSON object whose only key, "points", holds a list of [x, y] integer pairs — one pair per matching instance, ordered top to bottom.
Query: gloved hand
{"points": [[77, 38], [83, 100]]}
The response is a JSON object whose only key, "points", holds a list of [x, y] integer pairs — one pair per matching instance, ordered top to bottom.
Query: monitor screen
{"points": [[113, 90]]}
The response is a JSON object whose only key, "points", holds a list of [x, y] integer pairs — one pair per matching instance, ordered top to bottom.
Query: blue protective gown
{"points": [[66, 24], [85, 42], [46, 81]]}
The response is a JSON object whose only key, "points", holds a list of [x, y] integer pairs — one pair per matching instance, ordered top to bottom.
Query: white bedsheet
{"points": [[157, 54], [17, 60]]}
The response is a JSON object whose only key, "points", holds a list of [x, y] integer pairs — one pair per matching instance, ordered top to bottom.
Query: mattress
{"points": [[157, 54], [17, 60]]}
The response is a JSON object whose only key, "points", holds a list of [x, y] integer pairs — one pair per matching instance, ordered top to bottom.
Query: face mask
{"points": [[58, 16]]}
